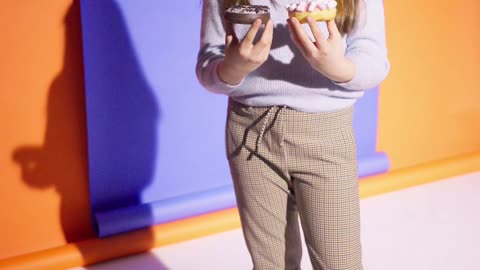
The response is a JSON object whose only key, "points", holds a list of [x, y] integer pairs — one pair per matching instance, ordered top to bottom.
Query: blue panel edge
{"points": [[157, 212]]}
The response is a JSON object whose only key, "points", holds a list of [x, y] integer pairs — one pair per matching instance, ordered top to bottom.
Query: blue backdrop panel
{"points": [[155, 137]]}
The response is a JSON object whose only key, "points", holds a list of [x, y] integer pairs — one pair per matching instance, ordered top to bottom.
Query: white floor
{"points": [[429, 227]]}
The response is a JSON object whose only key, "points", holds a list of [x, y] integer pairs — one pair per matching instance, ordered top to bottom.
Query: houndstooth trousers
{"points": [[287, 164]]}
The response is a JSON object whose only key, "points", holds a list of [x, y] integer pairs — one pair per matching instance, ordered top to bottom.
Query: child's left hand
{"points": [[327, 56]]}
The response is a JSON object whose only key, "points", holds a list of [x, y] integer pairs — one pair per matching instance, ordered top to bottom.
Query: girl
{"points": [[289, 135]]}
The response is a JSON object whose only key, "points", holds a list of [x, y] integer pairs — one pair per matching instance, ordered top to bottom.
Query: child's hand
{"points": [[327, 56], [243, 57]]}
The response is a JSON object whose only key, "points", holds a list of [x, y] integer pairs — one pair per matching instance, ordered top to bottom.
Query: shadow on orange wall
{"points": [[62, 159], [61, 162]]}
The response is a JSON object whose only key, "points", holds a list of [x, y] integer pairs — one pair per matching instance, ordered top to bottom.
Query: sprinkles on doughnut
{"points": [[319, 10], [247, 14]]}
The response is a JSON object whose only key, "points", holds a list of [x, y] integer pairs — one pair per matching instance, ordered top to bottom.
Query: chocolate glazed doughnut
{"points": [[247, 14]]}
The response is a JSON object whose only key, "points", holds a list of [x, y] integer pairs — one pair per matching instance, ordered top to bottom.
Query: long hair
{"points": [[346, 18]]}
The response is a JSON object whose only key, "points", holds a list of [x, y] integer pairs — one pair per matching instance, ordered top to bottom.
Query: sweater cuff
{"points": [[216, 64], [351, 84], [217, 85]]}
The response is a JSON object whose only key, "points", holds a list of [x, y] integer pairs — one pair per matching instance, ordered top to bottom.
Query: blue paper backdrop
{"points": [[155, 137]]}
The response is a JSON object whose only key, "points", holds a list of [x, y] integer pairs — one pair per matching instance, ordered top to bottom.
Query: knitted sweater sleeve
{"points": [[366, 47], [212, 48]]}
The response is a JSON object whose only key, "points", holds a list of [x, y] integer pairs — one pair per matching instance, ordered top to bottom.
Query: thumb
{"points": [[230, 34], [228, 41]]}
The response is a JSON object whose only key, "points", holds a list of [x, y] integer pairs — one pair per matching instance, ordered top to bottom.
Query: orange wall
{"points": [[430, 103], [429, 109], [42, 127]]}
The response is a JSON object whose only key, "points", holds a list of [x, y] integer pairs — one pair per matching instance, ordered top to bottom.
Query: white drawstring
{"points": [[265, 124], [284, 124]]}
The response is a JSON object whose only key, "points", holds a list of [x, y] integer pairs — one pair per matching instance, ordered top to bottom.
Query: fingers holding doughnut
{"points": [[252, 33], [317, 33], [300, 37], [265, 41]]}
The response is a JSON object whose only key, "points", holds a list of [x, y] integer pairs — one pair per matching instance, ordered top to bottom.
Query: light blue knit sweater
{"points": [[286, 78]]}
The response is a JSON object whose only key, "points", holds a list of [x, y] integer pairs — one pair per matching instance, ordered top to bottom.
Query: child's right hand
{"points": [[243, 57]]}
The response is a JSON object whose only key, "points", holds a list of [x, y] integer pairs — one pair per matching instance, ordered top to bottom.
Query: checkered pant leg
{"points": [[286, 163]]}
